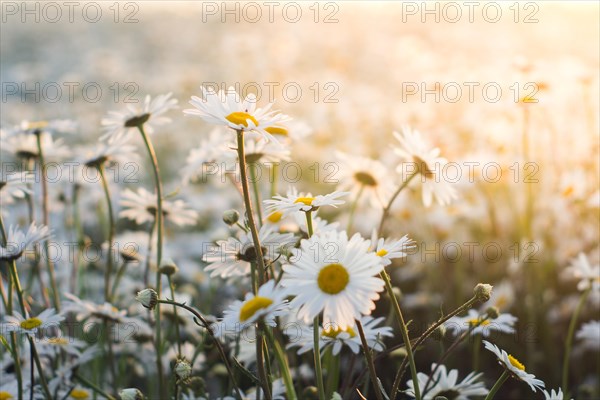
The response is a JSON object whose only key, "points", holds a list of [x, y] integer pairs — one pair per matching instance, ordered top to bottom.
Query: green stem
{"points": [[274, 174], [256, 189], [353, 208], [386, 209], [46, 220], [309, 223], [111, 233], [159, 246], [120, 273], [404, 332], [177, 334], [569, 341], [317, 353], [369, 359], [38, 364], [332, 365], [283, 366], [497, 385], [94, 387]]}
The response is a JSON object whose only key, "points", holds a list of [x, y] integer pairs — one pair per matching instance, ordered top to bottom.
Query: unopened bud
{"points": [[230, 217], [168, 267], [482, 291], [148, 298], [492, 312], [183, 369], [131, 394]]}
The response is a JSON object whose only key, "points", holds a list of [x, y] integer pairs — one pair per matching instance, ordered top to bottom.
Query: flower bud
{"points": [[230, 217], [168, 267], [482, 291], [148, 298], [492, 312], [183, 369], [131, 394]]}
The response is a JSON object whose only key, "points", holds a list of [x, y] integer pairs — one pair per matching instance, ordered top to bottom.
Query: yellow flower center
{"points": [[241, 118], [37, 125], [277, 130], [423, 167], [365, 178], [568, 191], [306, 200], [275, 217], [381, 253], [333, 278], [501, 302], [250, 307], [478, 322], [31, 323], [333, 333], [58, 341], [515, 363], [80, 394], [5, 396]]}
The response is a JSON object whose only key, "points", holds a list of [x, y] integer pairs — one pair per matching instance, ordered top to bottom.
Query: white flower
{"points": [[228, 109], [117, 124], [290, 131], [23, 145], [262, 150], [117, 151], [202, 160], [427, 163], [366, 176], [14, 185], [295, 202], [140, 207], [17, 241], [389, 249], [232, 257], [332, 274], [588, 276], [502, 296], [148, 298], [269, 303], [18, 323], [485, 326], [589, 334], [332, 335], [513, 365], [445, 383], [9, 389], [131, 394], [558, 395]]}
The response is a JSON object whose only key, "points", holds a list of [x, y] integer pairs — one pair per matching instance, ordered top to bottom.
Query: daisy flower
{"points": [[228, 109], [117, 123], [290, 131], [24, 146], [413, 149], [118, 151], [264, 151], [203, 157], [365, 177], [14, 186], [295, 202], [140, 207], [17, 241], [389, 249], [232, 257], [333, 275], [589, 277], [268, 303], [481, 324], [30, 326], [589, 334], [332, 335], [514, 367], [445, 383], [10, 389], [558, 395]]}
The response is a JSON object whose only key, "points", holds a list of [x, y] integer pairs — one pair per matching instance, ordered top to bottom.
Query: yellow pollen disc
{"points": [[240, 118], [37, 125], [277, 130], [365, 178], [568, 191], [306, 200], [275, 217], [381, 252], [333, 278], [250, 307], [477, 322], [31, 323], [333, 333], [58, 341], [515, 363], [79, 394], [5, 396]]}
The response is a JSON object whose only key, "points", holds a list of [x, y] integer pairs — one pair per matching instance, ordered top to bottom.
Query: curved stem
{"points": [[386, 209], [46, 220], [111, 233], [159, 245], [213, 337], [569, 341], [317, 354], [369, 359], [38, 364], [283, 366], [497, 385], [94, 387]]}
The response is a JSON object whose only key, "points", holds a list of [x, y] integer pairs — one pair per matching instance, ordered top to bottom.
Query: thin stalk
{"points": [[274, 174], [256, 189], [353, 207], [386, 209], [46, 220], [111, 233], [80, 241], [159, 246], [149, 254], [120, 273], [404, 332], [177, 334], [213, 337], [569, 341], [260, 355], [317, 356], [369, 359], [38, 364], [332, 364], [283, 366], [497, 385], [94, 387]]}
